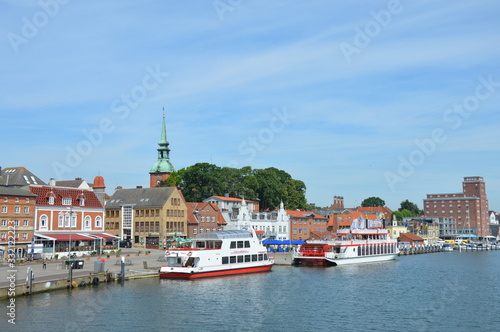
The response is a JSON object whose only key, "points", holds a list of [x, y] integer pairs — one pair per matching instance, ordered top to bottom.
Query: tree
{"points": [[270, 185], [372, 201], [412, 207], [403, 214]]}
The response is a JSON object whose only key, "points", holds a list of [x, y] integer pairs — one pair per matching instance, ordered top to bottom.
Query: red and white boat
{"points": [[353, 246], [217, 254]]}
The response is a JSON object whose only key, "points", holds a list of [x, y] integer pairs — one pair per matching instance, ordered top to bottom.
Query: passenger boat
{"points": [[353, 246], [217, 254]]}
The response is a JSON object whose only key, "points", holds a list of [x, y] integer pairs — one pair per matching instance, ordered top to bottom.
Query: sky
{"points": [[393, 99]]}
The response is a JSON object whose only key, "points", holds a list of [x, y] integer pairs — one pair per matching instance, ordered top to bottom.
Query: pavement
{"points": [[56, 269]]}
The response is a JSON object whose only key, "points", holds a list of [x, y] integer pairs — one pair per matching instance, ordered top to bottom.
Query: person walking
{"points": [[44, 266]]}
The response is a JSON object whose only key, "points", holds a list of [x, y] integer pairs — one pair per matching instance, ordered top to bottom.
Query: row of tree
{"points": [[269, 185]]}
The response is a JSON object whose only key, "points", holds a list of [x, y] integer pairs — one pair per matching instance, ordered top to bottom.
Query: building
{"points": [[161, 170], [18, 177], [230, 206], [469, 208], [147, 216], [204, 217], [69, 220], [17, 221], [302, 223], [494, 223], [275, 225], [396, 228], [426, 228], [412, 239]]}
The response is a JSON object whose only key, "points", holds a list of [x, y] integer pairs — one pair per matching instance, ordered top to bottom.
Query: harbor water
{"points": [[432, 292]]}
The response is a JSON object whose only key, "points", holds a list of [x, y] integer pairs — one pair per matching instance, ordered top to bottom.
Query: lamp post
{"points": [[70, 267]]}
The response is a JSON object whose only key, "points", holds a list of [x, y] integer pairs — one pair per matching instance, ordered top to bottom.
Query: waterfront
{"points": [[439, 291]]}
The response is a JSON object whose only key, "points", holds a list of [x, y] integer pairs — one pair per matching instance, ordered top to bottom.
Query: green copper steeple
{"points": [[163, 165]]}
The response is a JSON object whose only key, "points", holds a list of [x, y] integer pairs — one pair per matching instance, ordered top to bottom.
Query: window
{"points": [[5, 199], [17, 199], [27, 200], [51, 200], [66, 201], [82, 201], [4, 209], [17, 210], [26, 210], [60, 220], [66, 220], [43, 221], [98, 221], [4, 222], [87, 222], [16, 223], [25, 223], [195, 230], [4, 236], [25, 236], [240, 258], [232, 259], [225, 260]]}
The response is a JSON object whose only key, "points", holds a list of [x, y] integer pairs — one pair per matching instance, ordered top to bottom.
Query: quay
{"points": [[56, 275]]}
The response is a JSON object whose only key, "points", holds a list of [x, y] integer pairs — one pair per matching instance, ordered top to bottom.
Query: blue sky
{"points": [[395, 99]]}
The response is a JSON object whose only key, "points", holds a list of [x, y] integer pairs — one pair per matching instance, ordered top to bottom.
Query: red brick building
{"points": [[469, 208], [65, 216], [204, 217], [17, 221], [302, 223]]}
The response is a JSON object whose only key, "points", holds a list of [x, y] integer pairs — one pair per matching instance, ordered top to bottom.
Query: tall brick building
{"points": [[469, 208]]}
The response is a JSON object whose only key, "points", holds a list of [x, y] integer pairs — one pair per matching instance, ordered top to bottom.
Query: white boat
{"points": [[353, 246], [447, 247], [217, 254]]}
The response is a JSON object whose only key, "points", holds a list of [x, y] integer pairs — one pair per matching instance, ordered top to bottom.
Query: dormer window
{"points": [[81, 199], [51, 200], [66, 201]]}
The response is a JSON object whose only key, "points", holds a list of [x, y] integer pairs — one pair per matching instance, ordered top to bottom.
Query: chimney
{"points": [[52, 182], [139, 187]]}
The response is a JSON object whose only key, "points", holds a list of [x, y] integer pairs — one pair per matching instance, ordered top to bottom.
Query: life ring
{"points": [[190, 253], [95, 281]]}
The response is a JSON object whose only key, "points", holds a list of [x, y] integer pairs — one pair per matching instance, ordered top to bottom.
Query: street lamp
{"points": [[70, 221]]}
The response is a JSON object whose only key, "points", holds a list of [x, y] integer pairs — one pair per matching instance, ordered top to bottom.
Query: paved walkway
{"points": [[55, 269]]}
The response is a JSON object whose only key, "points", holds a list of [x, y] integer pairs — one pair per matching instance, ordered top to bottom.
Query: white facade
{"points": [[229, 207], [275, 224]]}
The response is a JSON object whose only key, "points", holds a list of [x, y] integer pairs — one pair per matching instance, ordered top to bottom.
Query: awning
{"points": [[65, 236], [106, 236]]}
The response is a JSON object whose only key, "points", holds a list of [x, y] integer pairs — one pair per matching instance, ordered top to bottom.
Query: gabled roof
{"points": [[18, 177], [76, 183], [44, 192], [140, 197], [194, 207], [376, 209], [303, 214], [409, 237]]}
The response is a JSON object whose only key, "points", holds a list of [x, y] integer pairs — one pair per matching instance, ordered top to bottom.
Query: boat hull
{"points": [[363, 259], [192, 274]]}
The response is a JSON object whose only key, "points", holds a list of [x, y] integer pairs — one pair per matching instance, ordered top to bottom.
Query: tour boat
{"points": [[352, 246], [217, 254]]}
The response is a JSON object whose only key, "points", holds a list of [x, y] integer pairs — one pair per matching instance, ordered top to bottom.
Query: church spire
{"points": [[163, 167]]}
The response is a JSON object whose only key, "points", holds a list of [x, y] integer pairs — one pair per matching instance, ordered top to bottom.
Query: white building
{"points": [[274, 224]]}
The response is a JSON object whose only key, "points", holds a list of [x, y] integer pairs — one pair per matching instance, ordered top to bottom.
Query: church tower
{"points": [[163, 167]]}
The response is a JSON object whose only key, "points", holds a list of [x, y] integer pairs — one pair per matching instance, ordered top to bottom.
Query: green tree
{"points": [[270, 185], [373, 201], [412, 207], [403, 214]]}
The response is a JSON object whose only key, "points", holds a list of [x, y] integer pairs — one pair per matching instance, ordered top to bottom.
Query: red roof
{"points": [[44, 192], [303, 214], [67, 236]]}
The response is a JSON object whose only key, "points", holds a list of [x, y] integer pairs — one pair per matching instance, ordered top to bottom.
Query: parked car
{"points": [[125, 244]]}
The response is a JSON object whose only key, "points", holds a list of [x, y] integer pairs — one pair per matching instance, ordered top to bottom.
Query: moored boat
{"points": [[353, 246], [447, 247], [217, 254]]}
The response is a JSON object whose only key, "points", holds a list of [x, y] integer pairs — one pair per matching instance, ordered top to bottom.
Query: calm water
{"points": [[431, 292]]}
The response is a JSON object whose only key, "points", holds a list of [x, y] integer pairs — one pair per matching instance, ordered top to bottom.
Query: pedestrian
{"points": [[44, 266]]}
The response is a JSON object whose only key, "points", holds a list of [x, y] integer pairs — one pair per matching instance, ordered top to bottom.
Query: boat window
{"points": [[200, 244], [218, 244], [233, 244], [240, 244], [247, 244], [254, 257], [261, 257], [265, 257], [247, 258], [232, 259], [240, 259], [225, 260], [174, 261]]}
